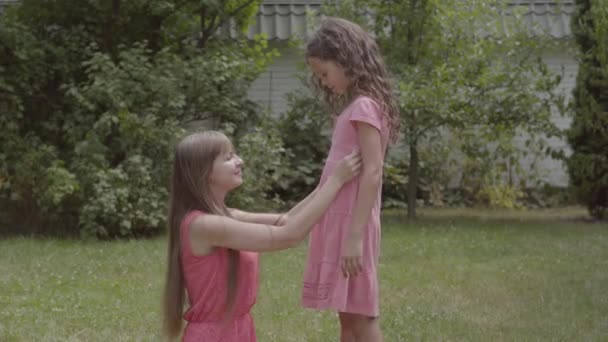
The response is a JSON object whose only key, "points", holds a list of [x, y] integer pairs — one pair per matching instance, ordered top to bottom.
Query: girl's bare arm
{"points": [[215, 230]]}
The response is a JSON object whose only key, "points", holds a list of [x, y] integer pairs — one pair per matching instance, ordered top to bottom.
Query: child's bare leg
{"points": [[347, 322], [367, 329]]}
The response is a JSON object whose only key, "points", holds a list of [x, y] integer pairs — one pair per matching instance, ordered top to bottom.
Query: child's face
{"points": [[331, 75], [227, 172]]}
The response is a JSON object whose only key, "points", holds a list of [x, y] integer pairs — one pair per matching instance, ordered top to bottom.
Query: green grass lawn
{"points": [[453, 275]]}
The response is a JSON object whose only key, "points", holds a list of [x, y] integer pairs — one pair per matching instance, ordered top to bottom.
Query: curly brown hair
{"points": [[352, 48]]}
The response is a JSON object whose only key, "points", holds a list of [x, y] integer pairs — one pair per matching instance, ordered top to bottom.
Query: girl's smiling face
{"points": [[227, 171]]}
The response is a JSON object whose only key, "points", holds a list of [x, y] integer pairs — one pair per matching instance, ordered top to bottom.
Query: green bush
{"points": [[90, 110], [305, 131], [265, 167], [394, 182], [497, 193], [548, 196]]}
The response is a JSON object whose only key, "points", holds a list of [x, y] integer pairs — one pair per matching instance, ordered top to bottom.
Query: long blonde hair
{"points": [[348, 45], [192, 164]]}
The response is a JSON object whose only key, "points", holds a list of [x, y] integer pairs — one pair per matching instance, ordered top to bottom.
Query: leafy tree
{"points": [[465, 70], [588, 136]]}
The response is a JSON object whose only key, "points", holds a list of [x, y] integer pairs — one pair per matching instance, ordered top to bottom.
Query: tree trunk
{"points": [[109, 28], [413, 181]]}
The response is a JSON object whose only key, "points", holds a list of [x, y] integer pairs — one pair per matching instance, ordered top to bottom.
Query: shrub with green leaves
{"points": [[93, 97], [305, 131], [266, 166]]}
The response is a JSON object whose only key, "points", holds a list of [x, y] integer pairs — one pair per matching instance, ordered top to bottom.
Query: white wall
{"points": [[270, 88]]}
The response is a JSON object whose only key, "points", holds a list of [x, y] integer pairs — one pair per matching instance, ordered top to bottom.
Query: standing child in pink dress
{"points": [[212, 249], [341, 271]]}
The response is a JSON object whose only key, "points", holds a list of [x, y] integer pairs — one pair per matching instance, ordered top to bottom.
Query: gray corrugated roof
{"points": [[7, 2], [4, 3], [547, 17], [279, 20]]}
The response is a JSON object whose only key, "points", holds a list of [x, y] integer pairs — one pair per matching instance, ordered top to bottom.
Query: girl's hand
{"points": [[348, 167], [350, 261]]}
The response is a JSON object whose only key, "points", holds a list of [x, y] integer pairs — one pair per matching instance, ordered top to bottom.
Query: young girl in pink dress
{"points": [[212, 261], [342, 264]]}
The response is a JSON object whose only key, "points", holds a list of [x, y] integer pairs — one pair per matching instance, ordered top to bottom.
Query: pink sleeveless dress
{"points": [[206, 280], [325, 287]]}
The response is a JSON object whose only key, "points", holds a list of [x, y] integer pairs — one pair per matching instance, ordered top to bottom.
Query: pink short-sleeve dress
{"points": [[206, 279], [325, 287]]}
